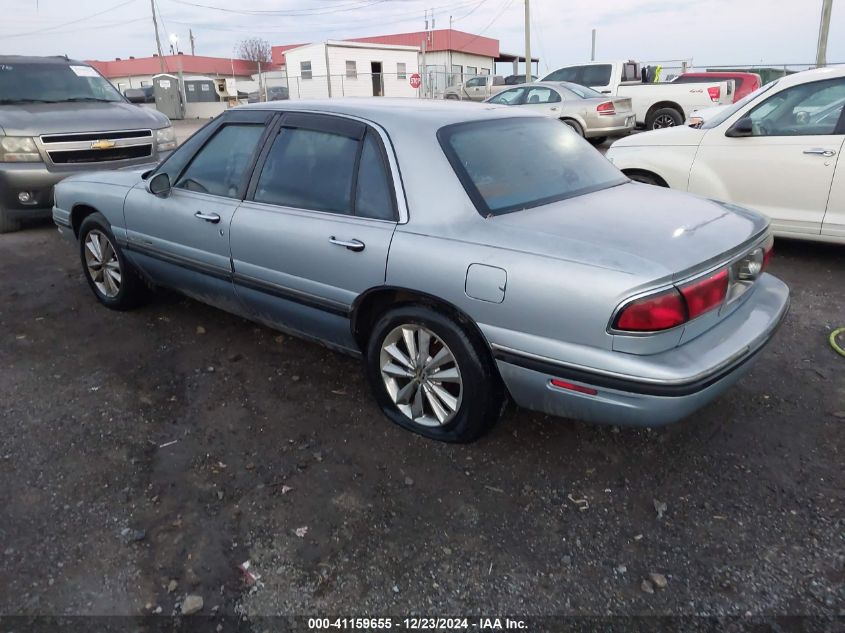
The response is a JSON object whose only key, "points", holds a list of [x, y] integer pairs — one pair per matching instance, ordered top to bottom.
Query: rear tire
{"points": [[664, 117], [575, 126], [597, 140], [7, 224], [112, 279], [430, 376]]}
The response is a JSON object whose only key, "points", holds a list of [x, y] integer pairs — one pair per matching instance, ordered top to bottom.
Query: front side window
{"points": [[351, 69], [305, 70], [401, 72], [476, 82], [53, 83], [542, 95], [509, 97], [804, 110], [728, 111], [507, 165], [218, 168], [309, 169]]}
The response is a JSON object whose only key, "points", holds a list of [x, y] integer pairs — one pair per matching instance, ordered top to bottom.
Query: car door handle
{"points": [[555, 109], [819, 151], [208, 217], [352, 245]]}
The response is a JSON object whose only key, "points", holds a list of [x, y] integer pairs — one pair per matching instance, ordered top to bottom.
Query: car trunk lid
{"points": [[643, 230]]}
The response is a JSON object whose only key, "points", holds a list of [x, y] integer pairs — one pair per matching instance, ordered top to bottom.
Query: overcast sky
{"points": [[710, 32]]}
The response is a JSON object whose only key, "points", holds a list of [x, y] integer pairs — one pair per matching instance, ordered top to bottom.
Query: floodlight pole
{"points": [[824, 28], [527, 42]]}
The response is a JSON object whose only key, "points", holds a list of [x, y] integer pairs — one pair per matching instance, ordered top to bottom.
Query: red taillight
{"points": [[715, 92], [606, 108], [768, 251], [705, 294], [651, 314], [562, 384]]}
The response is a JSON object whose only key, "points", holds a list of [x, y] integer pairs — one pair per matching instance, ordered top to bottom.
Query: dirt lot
{"points": [[175, 442]]}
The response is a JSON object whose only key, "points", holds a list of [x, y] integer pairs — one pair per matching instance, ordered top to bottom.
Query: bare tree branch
{"points": [[255, 49]]}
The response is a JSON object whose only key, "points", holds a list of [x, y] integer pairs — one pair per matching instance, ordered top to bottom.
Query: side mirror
{"points": [[743, 127], [160, 185]]}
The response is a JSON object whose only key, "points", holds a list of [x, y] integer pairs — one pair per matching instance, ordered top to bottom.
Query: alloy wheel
{"points": [[664, 120], [102, 263], [421, 375]]}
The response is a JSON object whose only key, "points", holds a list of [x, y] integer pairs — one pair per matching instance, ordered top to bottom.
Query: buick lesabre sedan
{"points": [[464, 251]]}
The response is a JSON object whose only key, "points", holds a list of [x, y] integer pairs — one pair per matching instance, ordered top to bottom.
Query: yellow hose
{"points": [[833, 342]]}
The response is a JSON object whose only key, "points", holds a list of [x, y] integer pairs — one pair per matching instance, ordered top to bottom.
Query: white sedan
{"points": [[775, 151]]}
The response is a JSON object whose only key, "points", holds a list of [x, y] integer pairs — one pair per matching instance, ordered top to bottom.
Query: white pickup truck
{"points": [[477, 88], [656, 105]]}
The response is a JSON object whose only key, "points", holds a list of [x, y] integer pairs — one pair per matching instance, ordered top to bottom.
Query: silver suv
{"points": [[59, 117]]}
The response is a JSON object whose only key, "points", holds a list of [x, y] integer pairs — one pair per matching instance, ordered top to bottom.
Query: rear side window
{"points": [[511, 164], [218, 168], [309, 169], [374, 194]]}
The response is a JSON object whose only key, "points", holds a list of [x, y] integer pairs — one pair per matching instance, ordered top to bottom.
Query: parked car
{"points": [[513, 80], [744, 83], [477, 88], [274, 93], [656, 105], [591, 114], [59, 117], [774, 151], [533, 267]]}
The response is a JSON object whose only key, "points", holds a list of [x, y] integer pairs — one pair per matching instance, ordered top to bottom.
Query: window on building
{"points": [[351, 69], [305, 70], [472, 71], [485, 71], [401, 72], [456, 75]]}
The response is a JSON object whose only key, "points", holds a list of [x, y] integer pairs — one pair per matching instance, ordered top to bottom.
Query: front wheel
{"points": [[451, 97], [597, 140], [111, 277], [431, 377]]}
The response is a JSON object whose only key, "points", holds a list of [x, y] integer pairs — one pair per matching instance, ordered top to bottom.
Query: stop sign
{"points": [[415, 80]]}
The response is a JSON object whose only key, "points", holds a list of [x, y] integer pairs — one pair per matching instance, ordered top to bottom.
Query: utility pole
{"points": [[824, 28], [191, 37], [158, 40], [527, 43], [593, 53]]}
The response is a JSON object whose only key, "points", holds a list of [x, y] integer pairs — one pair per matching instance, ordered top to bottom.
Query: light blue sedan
{"points": [[465, 251]]}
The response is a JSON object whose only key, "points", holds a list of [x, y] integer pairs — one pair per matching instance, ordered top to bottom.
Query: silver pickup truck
{"points": [[477, 89], [59, 117]]}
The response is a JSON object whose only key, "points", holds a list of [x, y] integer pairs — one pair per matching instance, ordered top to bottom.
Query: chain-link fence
{"points": [[436, 80]]}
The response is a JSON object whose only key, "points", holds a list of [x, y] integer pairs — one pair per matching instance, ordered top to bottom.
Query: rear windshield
{"points": [[53, 83], [582, 91], [511, 164]]}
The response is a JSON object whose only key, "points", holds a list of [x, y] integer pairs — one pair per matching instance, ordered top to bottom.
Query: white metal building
{"points": [[339, 68]]}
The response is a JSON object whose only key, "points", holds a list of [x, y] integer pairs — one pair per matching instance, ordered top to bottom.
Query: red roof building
{"points": [[188, 64]]}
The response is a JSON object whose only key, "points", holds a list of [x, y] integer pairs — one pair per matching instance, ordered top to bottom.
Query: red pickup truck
{"points": [[744, 83]]}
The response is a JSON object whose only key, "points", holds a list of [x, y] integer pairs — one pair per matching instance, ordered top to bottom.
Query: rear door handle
{"points": [[819, 151], [208, 217], [352, 245]]}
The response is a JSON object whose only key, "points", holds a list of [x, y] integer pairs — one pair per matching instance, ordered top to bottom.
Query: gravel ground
{"points": [[145, 455]]}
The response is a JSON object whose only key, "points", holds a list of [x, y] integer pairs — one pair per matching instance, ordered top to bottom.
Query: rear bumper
{"points": [[619, 125], [714, 362]]}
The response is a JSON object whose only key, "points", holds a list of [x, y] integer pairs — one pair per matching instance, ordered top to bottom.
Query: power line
{"points": [[357, 4], [505, 7], [77, 21]]}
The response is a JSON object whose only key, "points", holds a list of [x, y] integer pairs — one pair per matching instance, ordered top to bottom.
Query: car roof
{"points": [[33, 59], [816, 74], [392, 112]]}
